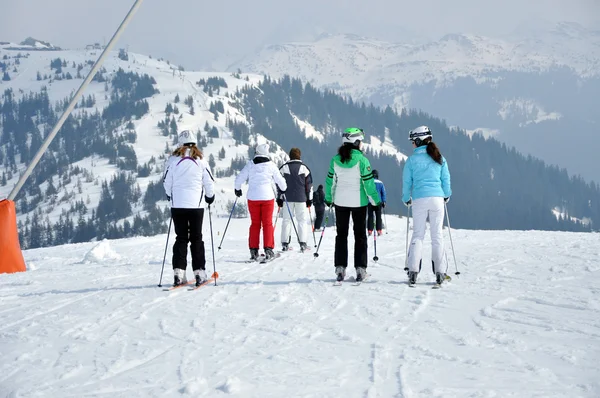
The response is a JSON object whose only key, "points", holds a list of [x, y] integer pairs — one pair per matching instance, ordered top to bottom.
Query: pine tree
{"points": [[6, 77], [176, 100], [222, 153], [211, 161]]}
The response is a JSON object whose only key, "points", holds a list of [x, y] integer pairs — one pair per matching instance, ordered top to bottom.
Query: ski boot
{"points": [[370, 232], [285, 246], [303, 246], [254, 254], [269, 255], [340, 272], [361, 274], [179, 277], [201, 277], [412, 278], [441, 278]]}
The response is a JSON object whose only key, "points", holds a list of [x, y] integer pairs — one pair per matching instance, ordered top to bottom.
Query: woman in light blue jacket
{"points": [[426, 187]]}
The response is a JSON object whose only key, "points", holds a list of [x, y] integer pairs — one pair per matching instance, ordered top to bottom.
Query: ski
{"points": [[255, 260], [264, 260], [206, 282], [337, 283], [179, 286]]}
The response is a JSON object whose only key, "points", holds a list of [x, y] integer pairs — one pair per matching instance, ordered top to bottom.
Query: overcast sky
{"points": [[194, 32]]}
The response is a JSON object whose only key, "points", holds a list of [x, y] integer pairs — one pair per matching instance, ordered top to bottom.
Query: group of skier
{"points": [[352, 190]]}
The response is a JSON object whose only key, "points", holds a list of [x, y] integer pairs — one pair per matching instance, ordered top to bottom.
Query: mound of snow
{"points": [[102, 251]]}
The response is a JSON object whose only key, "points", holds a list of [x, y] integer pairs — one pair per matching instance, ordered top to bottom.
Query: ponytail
{"points": [[433, 151], [194, 152], [345, 152]]}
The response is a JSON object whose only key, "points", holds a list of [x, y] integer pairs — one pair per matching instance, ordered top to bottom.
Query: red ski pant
{"points": [[261, 213]]}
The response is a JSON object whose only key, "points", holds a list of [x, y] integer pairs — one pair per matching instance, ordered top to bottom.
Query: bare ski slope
{"points": [[523, 320]]}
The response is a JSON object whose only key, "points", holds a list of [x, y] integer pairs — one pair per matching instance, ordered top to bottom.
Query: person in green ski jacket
{"points": [[350, 187]]}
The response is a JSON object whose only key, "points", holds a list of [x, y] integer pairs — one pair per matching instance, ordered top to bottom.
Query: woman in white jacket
{"points": [[260, 173], [187, 180]]}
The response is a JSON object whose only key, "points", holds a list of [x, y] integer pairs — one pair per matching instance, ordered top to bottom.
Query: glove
{"points": [[238, 192], [168, 198], [209, 200], [446, 200], [280, 202], [308, 203], [409, 203], [328, 204], [383, 205]]}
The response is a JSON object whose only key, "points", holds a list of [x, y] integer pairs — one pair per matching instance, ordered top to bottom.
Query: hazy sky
{"points": [[194, 32]]}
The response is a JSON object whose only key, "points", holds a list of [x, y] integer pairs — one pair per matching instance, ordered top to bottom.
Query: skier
{"points": [[260, 173], [186, 180], [350, 186], [426, 187], [298, 196], [319, 205], [376, 209]]}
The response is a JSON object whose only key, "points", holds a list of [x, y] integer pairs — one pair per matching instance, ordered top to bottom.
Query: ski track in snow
{"points": [[522, 320]]}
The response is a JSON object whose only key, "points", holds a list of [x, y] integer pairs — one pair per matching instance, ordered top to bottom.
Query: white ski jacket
{"points": [[260, 173], [187, 181]]}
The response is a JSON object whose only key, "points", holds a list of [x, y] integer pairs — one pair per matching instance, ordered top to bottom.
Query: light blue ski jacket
{"points": [[423, 177]]}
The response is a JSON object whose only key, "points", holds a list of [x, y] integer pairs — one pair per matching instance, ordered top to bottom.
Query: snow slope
{"points": [[170, 81], [88, 320]]}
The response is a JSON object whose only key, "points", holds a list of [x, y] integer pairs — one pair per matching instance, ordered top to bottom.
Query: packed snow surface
{"points": [[522, 320]]}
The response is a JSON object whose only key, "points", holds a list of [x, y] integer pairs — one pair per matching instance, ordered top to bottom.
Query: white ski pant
{"points": [[432, 207], [300, 212]]}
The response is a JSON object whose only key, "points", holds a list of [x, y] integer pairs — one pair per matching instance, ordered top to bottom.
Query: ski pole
{"points": [[291, 217], [276, 218], [226, 226], [312, 226], [407, 226], [323, 232], [451, 244], [165, 256], [375, 258], [215, 275]]}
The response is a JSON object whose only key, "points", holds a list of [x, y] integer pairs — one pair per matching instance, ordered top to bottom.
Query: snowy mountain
{"points": [[535, 82], [102, 175], [522, 320]]}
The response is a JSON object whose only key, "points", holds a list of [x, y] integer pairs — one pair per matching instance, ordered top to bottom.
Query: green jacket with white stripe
{"points": [[351, 184]]}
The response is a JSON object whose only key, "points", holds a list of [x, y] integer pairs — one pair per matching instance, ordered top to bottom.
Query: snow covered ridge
{"points": [[30, 44], [352, 61], [541, 78], [190, 108], [521, 321]]}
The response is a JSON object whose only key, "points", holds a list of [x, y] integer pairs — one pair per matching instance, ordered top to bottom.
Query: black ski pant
{"points": [[320, 214], [342, 222], [378, 223], [188, 229]]}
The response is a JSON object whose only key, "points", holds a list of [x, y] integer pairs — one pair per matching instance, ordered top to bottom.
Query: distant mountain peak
{"points": [[38, 44]]}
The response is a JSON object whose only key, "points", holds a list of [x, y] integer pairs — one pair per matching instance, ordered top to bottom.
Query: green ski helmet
{"points": [[353, 136]]}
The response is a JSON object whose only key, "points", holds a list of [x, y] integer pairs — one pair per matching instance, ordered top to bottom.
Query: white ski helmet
{"points": [[419, 134], [353, 136], [186, 137], [262, 150]]}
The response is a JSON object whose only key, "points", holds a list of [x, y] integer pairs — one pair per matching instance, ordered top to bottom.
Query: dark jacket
{"points": [[299, 181], [319, 198]]}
